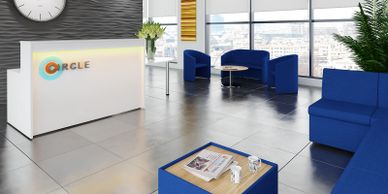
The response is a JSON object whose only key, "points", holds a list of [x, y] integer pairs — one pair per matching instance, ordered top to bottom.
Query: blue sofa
{"points": [[255, 60], [195, 64], [283, 74], [353, 115], [367, 172]]}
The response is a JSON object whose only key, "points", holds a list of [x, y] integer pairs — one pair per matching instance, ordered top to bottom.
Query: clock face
{"points": [[40, 10]]}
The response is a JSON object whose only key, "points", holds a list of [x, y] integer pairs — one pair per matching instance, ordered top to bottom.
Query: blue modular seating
{"points": [[255, 60], [195, 64], [283, 74], [353, 115], [367, 172]]}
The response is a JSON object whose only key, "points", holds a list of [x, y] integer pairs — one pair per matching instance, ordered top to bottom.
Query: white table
{"points": [[166, 61], [230, 69]]}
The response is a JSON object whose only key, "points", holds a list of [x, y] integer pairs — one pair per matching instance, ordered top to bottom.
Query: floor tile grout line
{"points": [[90, 144], [294, 157], [323, 162], [94, 173], [52, 178], [294, 188]]}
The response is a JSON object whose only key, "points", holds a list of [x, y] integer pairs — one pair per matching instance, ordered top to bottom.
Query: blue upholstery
{"points": [[255, 60], [195, 64], [283, 74], [350, 86], [383, 90], [349, 99], [344, 111], [379, 114], [353, 115], [336, 133], [372, 154], [367, 172], [360, 182]]}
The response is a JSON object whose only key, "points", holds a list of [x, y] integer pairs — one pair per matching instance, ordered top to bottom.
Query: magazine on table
{"points": [[209, 165]]}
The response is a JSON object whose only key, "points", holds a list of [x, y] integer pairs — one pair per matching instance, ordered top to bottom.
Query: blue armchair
{"points": [[255, 60], [195, 64], [283, 74]]}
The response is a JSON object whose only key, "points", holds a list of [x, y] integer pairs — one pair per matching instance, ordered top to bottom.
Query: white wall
{"points": [[199, 44]]}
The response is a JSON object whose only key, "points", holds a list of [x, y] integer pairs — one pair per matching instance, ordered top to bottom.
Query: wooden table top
{"points": [[231, 68], [222, 185]]}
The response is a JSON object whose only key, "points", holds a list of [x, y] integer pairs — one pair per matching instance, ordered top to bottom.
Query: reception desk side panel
{"points": [[19, 94]]}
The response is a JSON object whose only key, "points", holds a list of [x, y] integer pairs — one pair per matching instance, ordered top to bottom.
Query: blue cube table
{"points": [[174, 179]]}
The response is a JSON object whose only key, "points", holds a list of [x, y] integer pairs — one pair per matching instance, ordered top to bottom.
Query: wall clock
{"points": [[40, 10]]}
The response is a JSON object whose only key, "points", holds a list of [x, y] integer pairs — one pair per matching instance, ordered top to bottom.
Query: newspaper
{"points": [[209, 165]]}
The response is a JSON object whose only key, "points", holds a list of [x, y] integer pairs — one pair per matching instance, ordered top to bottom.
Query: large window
{"points": [[167, 17], [329, 17], [302, 27], [228, 28], [282, 28], [225, 37], [285, 38], [168, 44], [329, 53]]}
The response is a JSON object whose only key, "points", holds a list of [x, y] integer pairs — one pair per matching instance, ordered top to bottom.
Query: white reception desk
{"points": [[65, 83]]}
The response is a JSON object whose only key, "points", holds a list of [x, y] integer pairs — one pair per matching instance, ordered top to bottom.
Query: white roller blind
{"points": [[323, 4], [279, 5], [227, 6], [162, 8]]}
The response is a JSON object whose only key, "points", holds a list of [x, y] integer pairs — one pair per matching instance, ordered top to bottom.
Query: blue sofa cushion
{"points": [[253, 59], [201, 65], [350, 86], [383, 90], [343, 111], [381, 113], [372, 153], [368, 169], [356, 181]]}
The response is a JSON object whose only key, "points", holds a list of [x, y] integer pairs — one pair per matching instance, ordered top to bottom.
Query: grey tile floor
{"points": [[121, 154]]}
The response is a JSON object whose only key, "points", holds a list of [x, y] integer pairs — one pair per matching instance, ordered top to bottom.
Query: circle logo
{"points": [[51, 68]]}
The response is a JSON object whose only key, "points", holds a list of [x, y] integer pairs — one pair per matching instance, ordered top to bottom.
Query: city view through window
{"points": [[287, 33], [283, 38], [167, 45]]}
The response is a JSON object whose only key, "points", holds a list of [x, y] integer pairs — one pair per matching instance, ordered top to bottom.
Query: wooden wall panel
{"points": [[188, 20]]}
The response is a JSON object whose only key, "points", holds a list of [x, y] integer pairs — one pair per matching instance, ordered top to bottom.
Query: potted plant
{"points": [[151, 31], [370, 47]]}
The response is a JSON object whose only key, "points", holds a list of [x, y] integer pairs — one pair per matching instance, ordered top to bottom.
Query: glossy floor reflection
{"points": [[121, 154]]}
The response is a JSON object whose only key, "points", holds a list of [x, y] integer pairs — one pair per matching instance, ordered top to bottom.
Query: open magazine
{"points": [[209, 165]]}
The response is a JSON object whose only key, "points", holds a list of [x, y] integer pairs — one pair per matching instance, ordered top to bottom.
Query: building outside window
{"points": [[331, 17], [228, 27], [282, 28], [226, 37], [282, 39], [167, 45]]}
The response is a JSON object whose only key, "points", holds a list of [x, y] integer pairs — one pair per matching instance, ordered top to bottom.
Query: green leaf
{"points": [[370, 46]]}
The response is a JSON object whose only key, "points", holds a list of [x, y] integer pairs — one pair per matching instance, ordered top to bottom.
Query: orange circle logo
{"points": [[51, 67]]}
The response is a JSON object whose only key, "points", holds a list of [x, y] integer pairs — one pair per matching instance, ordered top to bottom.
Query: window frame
{"points": [[251, 22], [169, 24]]}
